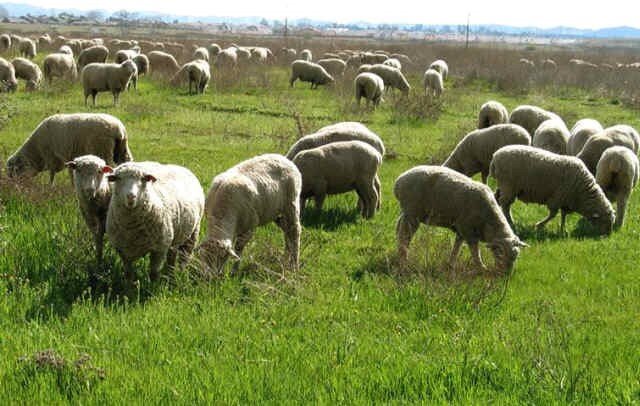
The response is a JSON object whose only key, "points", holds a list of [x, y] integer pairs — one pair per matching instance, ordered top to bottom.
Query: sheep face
{"points": [[326, 79], [9, 85], [19, 167], [88, 174], [131, 188], [603, 221], [506, 252], [215, 253]]}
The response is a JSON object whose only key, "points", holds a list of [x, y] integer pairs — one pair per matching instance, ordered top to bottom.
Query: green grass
{"points": [[349, 328]]}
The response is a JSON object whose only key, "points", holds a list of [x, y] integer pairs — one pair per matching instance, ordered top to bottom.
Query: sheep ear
{"points": [[71, 165], [107, 169], [149, 178]]}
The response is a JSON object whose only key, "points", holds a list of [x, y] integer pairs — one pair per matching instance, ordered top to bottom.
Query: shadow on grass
{"points": [[328, 219], [582, 230]]}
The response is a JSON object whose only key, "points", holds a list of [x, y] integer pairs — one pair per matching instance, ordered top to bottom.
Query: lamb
{"points": [[5, 43], [27, 48], [201, 53], [94, 54], [306, 55], [393, 62], [163, 63], [59, 65], [334, 66], [442, 67], [28, 71], [196, 72], [309, 72], [105, 77], [392, 77], [8, 81], [433, 83], [370, 86], [492, 113], [530, 117], [344, 131], [580, 134], [620, 135], [553, 136], [62, 137], [474, 152], [340, 167], [617, 174], [558, 181], [255, 192], [93, 193], [434, 195], [154, 209]]}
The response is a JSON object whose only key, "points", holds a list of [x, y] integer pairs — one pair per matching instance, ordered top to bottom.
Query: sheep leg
{"points": [[93, 96], [52, 175], [485, 175], [376, 184], [367, 193], [505, 199], [620, 211], [563, 217], [543, 222], [290, 226], [405, 230], [99, 241], [185, 250], [455, 250], [475, 255], [157, 261]]}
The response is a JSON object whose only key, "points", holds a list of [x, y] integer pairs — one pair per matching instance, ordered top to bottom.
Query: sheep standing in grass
{"points": [[5, 43], [27, 48], [65, 49], [214, 49], [201, 53], [93, 54], [124, 54], [306, 55], [227, 59], [393, 62], [163, 64], [59, 65], [142, 65], [549, 65], [334, 66], [442, 67], [29, 72], [309, 72], [196, 73], [107, 77], [392, 77], [8, 81], [433, 84], [370, 86], [492, 113], [530, 117], [344, 131], [580, 134], [619, 135], [552, 136], [62, 137], [474, 152], [341, 167], [617, 174], [560, 182], [93, 193], [253, 193], [438, 196], [154, 209]]}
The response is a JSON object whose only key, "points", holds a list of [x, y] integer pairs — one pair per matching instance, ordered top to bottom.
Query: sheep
{"points": [[44, 42], [5, 43], [75, 45], [27, 48], [65, 49], [174, 49], [214, 49], [201, 53], [94, 54], [124, 54], [243, 55], [259, 55], [288, 55], [306, 55], [371, 58], [227, 59], [404, 59], [393, 62], [142, 63], [163, 63], [59, 65], [527, 65], [549, 65], [334, 66], [442, 67], [28, 71], [196, 72], [309, 72], [107, 77], [392, 77], [8, 81], [433, 83], [370, 86], [492, 113], [530, 117], [344, 131], [580, 134], [620, 135], [553, 136], [62, 137], [474, 152], [340, 167], [617, 174], [560, 182], [93, 193], [253, 193], [439, 196], [154, 209]]}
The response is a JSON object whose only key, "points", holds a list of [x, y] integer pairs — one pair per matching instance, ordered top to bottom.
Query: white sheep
{"points": [[5, 43], [27, 48], [65, 49], [214, 49], [96, 53], [201, 53], [124, 54], [306, 55], [227, 59], [393, 62], [163, 64], [59, 65], [142, 65], [549, 65], [334, 66], [442, 67], [28, 71], [196, 72], [309, 72], [107, 77], [392, 77], [8, 81], [433, 83], [370, 86], [492, 113], [530, 117], [580, 134], [618, 135], [553, 136], [62, 137], [474, 152], [341, 167], [617, 174], [560, 182], [253, 193], [442, 197], [154, 209]]}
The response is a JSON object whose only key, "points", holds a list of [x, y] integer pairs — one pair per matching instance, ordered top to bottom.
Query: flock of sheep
{"points": [[150, 208]]}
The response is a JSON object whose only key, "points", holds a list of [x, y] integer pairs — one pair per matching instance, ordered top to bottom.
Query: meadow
{"points": [[349, 327]]}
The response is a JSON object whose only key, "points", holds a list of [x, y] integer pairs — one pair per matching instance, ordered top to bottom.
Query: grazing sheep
{"points": [[44, 42], [5, 43], [75, 45], [27, 48], [65, 49], [214, 49], [201, 53], [93, 54], [124, 54], [259, 55], [288, 55], [306, 55], [371, 58], [227, 59], [404, 59], [393, 62], [142, 63], [163, 63], [59, 65], [527, 65], [549, 65], [334, 66], [442, 67], [28, 71], [309, 72], [196, 73], [107, 77], [392, 77], [8, 81], [433, 83], [370, 86], [492, 113], [530, 117], [344, 131], [580, 134], [620, 135], [552, 136], [62, 137], [474, 152], [341, 167], [617, 174], [558, 181], [93, 193], [253, 193], [442, 197], [154, 209]]}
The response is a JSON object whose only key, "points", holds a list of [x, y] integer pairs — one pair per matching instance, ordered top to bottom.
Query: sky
{"points": [[539, 13]]}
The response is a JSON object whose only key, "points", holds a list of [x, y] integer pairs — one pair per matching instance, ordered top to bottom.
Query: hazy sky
{"points": [[540, 13]]}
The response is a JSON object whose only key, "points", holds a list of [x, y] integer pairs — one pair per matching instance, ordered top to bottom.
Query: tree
{"points": [[95, 15], [264, 22]]}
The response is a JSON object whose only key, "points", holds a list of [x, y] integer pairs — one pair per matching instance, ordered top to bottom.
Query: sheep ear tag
{"points": [[70, 165], [107, 169], [149, 178]]}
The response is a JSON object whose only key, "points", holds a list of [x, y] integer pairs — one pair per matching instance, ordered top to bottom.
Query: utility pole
{"points": [[286, 32], [467, 37]]}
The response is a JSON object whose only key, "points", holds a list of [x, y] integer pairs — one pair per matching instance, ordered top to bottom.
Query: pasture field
{"points": [[349, 327]]}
